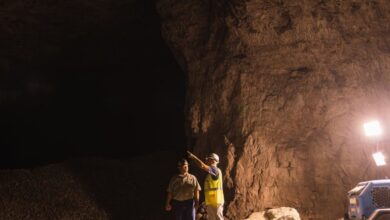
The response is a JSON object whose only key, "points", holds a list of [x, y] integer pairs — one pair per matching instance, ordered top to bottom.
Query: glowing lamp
{"points": [[372, 128], [379, 159]]}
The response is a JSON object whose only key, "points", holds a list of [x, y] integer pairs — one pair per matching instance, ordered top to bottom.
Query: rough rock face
{"points": [[280, 89]]}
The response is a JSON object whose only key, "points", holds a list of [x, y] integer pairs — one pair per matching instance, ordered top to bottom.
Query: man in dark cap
{"points": [[183, 193]]}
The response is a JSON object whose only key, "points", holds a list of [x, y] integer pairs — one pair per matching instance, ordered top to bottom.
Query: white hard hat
{"points": [[213, 156]]}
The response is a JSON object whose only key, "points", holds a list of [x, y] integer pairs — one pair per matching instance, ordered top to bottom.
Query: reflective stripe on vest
{"points": [[213, 190]]}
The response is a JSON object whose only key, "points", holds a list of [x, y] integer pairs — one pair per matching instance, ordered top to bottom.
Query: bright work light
{"points": [[372, 128], [379, 159]]}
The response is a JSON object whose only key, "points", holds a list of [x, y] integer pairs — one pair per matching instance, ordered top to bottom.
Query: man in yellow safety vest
{"points": [[213, 186]]}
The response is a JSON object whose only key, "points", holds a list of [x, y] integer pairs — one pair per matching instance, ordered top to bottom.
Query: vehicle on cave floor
{"points": [[370, 200]]}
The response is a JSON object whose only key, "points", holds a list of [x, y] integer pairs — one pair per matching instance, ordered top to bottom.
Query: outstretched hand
{"points": [[190, 155], [198, 162]]}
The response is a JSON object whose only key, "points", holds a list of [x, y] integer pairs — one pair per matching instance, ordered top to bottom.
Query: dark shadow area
{"points": [[83, 79], [88, 79], [89, 189], [128, 190]]}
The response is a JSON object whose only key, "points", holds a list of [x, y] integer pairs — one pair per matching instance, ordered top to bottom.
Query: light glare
{"points": [[372, 128], [379, 159], [353, 201]]}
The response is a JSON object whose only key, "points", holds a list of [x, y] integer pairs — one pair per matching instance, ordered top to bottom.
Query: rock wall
{"points": [[280, 89]]}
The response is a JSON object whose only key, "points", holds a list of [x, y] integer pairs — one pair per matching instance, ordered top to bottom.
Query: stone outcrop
{"points": [[280, 89], [282, 213]]}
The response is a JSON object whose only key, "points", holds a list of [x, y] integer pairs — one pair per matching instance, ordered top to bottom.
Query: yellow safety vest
{"points": [[213, 190]]}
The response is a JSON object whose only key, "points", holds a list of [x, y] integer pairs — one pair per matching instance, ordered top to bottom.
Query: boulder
{"points": [[282, 213]]}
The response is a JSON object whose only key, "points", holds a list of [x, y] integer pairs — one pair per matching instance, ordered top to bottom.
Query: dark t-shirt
{"points": [[214, 172]]}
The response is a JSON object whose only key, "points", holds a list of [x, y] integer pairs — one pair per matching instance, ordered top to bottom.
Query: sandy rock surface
{"points": [[280, 90]]}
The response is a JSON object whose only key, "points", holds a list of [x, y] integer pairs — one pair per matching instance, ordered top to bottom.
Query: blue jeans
{"points": [[184, 210]]}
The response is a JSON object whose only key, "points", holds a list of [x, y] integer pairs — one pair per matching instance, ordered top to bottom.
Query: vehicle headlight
{"points": [[353, 201]]}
